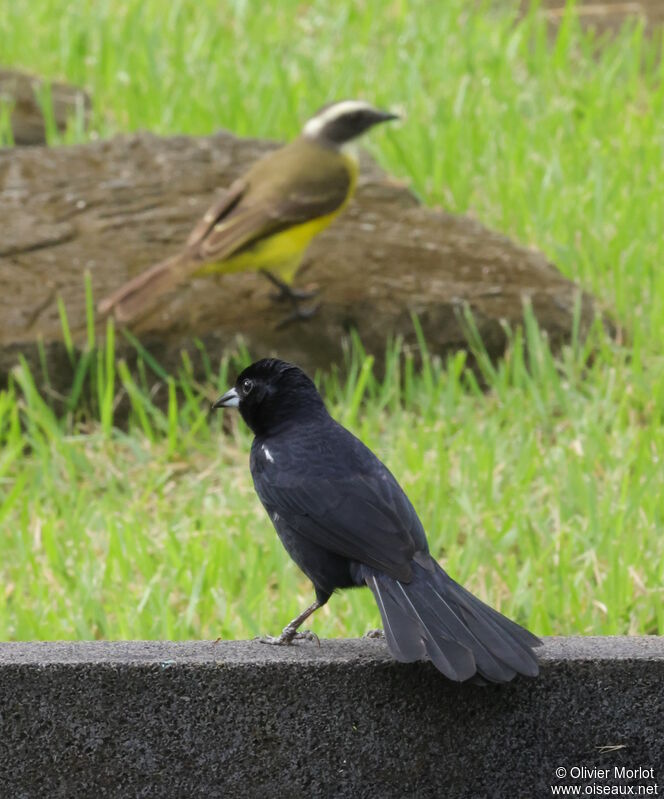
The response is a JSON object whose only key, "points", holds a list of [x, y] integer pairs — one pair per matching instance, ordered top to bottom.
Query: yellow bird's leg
{"points": [[285, 291]]}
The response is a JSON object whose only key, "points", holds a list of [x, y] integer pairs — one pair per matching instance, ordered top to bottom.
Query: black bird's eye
{"points": [[247, 385]]}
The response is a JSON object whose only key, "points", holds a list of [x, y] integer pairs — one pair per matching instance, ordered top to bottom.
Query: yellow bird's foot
{"points": [[286, 293], [292, 295], [298, 314]]}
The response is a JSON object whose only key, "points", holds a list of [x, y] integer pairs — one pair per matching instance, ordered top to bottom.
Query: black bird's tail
{"points": [[434, 618]]}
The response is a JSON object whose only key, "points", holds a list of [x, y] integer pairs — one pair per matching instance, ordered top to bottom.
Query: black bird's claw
{"points": [[298, 314], [374, 634], [308, 635], [287, 637], [275, 640]]}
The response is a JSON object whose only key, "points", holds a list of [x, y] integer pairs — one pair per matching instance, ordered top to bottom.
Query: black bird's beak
{"points": [[231, 399]]}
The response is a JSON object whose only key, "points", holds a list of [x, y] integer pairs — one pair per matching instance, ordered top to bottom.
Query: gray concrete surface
{"points": [[241, 719]]}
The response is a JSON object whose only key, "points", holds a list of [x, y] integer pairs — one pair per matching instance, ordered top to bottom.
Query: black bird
{"points": [[346, 522]]}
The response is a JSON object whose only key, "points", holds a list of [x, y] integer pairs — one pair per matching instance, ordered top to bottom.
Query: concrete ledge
{"points": [[240, 719]]}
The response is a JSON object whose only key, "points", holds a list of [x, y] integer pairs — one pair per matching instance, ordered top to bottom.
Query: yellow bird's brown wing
{"points": [[288, 187], [285, 188], [220, 208], [137, 296]]}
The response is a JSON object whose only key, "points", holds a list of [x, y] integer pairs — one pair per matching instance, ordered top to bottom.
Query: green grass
{"points": [[544, 495]]}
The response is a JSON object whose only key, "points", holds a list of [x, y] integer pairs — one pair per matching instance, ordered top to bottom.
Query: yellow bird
{"points": [[268, 217]]}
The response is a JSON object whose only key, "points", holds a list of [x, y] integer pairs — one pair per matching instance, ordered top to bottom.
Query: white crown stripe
{"points": [[314, 126]]}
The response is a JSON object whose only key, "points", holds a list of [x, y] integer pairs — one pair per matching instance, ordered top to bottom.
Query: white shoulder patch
{"points": [[314, 126], [267, 453]]}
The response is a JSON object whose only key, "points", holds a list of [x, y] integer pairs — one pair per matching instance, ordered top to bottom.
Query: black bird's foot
{"points": [[298, 314], [374, 634], [307, 635], [288, 636]]}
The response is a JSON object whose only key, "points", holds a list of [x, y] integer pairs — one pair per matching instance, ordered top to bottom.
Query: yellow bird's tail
{"points": [[140, 295]]}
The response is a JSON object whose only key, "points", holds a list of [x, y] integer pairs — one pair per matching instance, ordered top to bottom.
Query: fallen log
{"points": [[28, 97], [113, 208]]}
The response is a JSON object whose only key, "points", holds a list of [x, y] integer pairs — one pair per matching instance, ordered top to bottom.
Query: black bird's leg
{"points": [[294, 296], [290, 633]]}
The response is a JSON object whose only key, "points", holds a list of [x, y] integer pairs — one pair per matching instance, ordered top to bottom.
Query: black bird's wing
{"points": [[326, 486], [361, 513]]}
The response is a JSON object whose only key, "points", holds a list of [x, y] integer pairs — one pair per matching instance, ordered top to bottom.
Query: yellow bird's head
{"points": [[338, 123]]}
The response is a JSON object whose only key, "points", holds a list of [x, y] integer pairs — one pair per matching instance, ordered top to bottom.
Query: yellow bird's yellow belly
{"points": [[282, 253]]}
